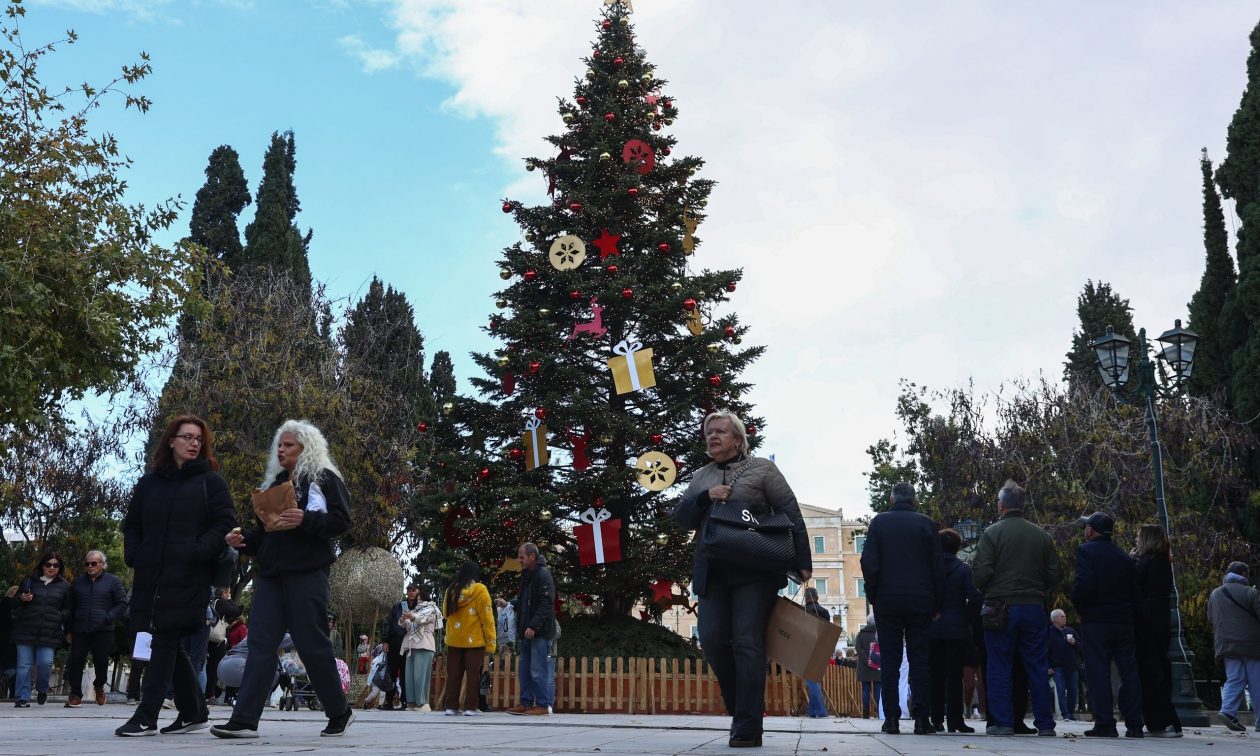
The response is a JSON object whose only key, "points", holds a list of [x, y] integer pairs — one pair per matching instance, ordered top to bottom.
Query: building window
{"points": [[859, 543], [820, 544], [821, 585], [861, 592]]}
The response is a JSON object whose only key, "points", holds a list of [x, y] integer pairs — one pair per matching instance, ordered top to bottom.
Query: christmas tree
{"points": [[612, 352]]}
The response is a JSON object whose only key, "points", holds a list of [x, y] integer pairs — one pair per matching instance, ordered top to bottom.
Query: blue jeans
{"points": [[1024, 637], [1103, 643], [39, 657], [1239, 673], [419, 674], [551, 680], [1066, 681], [868, 687], [535, 688], [817, 703]]}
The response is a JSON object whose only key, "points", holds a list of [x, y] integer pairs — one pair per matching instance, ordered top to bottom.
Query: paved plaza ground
{"points": [[89, 730]]}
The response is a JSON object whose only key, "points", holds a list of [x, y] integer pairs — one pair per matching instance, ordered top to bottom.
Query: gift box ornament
{"points": [[632, 370], [535, 442], [599, 539]]}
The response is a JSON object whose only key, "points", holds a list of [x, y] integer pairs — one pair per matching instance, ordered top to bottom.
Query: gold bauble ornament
{"points": [[624, 20], [590, 73], [646, 78], [623, 84], [650, 116], [567, 118], [669, 121], [604, 157], [530, 167], [691, 171], [704, 203], [529, 236], [505, 274], [676, 286], [500, 303], [543, 312], [737, 340], [713, 348], [503, 361], [448, 408], [606, 439], [444, 508], [545, 514], [662, 539]]}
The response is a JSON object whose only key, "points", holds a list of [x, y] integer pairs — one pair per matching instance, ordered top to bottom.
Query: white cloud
{"points": [[372, 59], [915, 195]]}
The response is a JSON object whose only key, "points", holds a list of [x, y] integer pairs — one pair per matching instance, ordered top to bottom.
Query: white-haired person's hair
{"points": [[737, 426], [314, 458], [1056, 614]]}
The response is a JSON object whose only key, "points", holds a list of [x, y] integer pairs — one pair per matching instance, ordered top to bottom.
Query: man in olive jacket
{"points": [[1016, 566]]}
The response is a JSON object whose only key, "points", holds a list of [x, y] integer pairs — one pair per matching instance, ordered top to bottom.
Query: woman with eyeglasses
{"points": [[180, 512], [39, 625]]}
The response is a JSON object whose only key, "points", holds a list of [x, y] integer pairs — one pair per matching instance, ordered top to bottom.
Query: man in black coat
{"points": [[903, 566], [1105, 594], [99, 601], [535, 627]]}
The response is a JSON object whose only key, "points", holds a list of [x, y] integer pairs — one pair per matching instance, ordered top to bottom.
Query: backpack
{"points": [[873, 657]]}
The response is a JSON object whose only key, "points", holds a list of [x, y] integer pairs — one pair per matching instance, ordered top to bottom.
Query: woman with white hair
{"points": [[291, 590], [736, 596]]}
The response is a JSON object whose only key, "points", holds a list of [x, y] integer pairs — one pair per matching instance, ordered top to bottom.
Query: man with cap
{"points": [[1105, 594], [1234, 610]]}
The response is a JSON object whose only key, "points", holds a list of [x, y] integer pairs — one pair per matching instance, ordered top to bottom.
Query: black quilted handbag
{"points": [[758, 541]]}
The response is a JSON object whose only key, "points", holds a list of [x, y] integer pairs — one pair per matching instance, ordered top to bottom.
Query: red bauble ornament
{"points": [[607, 24], [597, 53], [618, 61], [581, 101], [665, 103], [610, 117], [656, 125], [665, 151], [633, 191], [507, 207], [575, 207], [663, 247], [612, 270], [530, 275], [730, 286], [627, 293], [575, 294], [689, 304], [494, 323], [729, 331], [534, 367], [715, 381], [540, 413], [422, 427], [751, 430], [657, 439], [516, 453], [484, 473], [599, 502], [509, 523]]}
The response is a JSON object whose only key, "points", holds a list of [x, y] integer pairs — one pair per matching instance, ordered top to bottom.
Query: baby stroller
{"points": [[296, 690]]}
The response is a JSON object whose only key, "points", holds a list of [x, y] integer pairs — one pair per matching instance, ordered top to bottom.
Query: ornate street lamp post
{"points": [[1117, 368]]}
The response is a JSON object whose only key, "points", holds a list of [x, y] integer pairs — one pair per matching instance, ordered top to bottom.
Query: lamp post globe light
{"points": [[1117, 367]]}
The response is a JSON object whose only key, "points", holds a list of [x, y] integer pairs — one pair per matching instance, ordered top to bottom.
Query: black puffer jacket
{"points": [[173, 536], [98, 603], [537, 607], [42, 621]]}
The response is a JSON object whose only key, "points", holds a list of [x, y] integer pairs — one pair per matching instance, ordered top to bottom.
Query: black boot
{"points": [[924, 726], [891, 727]]}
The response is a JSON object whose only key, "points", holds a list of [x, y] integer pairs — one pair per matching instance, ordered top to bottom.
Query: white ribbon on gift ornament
{"points": [[626, 349], [531, 425], [593, 518]]}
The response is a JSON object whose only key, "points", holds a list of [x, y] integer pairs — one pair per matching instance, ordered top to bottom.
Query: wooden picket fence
{"points": [[654, 686]]}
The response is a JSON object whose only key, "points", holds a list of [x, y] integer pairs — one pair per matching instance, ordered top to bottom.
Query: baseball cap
{"points": [[1099, 521]]}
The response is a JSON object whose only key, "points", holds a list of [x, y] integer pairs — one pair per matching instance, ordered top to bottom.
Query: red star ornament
{"points": [[607, 244], [662, 591]]}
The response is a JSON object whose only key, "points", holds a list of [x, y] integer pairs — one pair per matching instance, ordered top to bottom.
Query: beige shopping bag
{"points": [[800, 642]]}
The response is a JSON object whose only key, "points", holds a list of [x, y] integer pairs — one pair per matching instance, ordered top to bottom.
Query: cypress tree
{"points": [[1239, 179], [218, 203], [272, 239], [1097, 308], [381, 343], [1211, 372]]}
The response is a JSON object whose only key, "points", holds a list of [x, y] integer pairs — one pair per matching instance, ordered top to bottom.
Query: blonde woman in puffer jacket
{"points": [[470, 635], [418, 647]]}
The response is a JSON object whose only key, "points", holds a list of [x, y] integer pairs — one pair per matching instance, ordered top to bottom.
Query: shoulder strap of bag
{"points": [[1247, 609]]}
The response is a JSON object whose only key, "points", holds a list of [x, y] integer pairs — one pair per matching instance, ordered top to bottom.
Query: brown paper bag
{"points": [[270, 503], [800, 642]]}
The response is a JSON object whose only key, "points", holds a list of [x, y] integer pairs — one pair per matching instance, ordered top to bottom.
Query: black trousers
{"points": [[297, 603], [733, 619], [893, 630], [1103, 643], [100, 644], [214, 655], [945, 659], [394, 663], [168, 667], [1155, 674]]}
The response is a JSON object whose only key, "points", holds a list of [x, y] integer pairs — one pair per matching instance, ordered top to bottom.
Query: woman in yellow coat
{"points": [[470, 636]]}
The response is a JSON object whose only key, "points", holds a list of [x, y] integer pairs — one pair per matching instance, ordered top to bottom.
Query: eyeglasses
{"points": [[189, 438], [52, 564], [91, 564]]}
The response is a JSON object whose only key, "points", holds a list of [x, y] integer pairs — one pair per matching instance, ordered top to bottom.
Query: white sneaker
{"points": [[426, 708], [549, 710], [452, 713], [471, 713]]}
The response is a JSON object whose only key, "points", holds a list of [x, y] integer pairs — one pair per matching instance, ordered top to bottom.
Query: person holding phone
{"points": [[44, 605], [1065, 663]]}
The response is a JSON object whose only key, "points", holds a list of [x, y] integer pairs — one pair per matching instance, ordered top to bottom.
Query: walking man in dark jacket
{"points": [[1015, 567], [905, 582], [1105, 595], [99, 601], [535, 627]]}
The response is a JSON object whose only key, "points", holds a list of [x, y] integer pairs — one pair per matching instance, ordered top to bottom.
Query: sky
{"points": [[914, 190]]}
